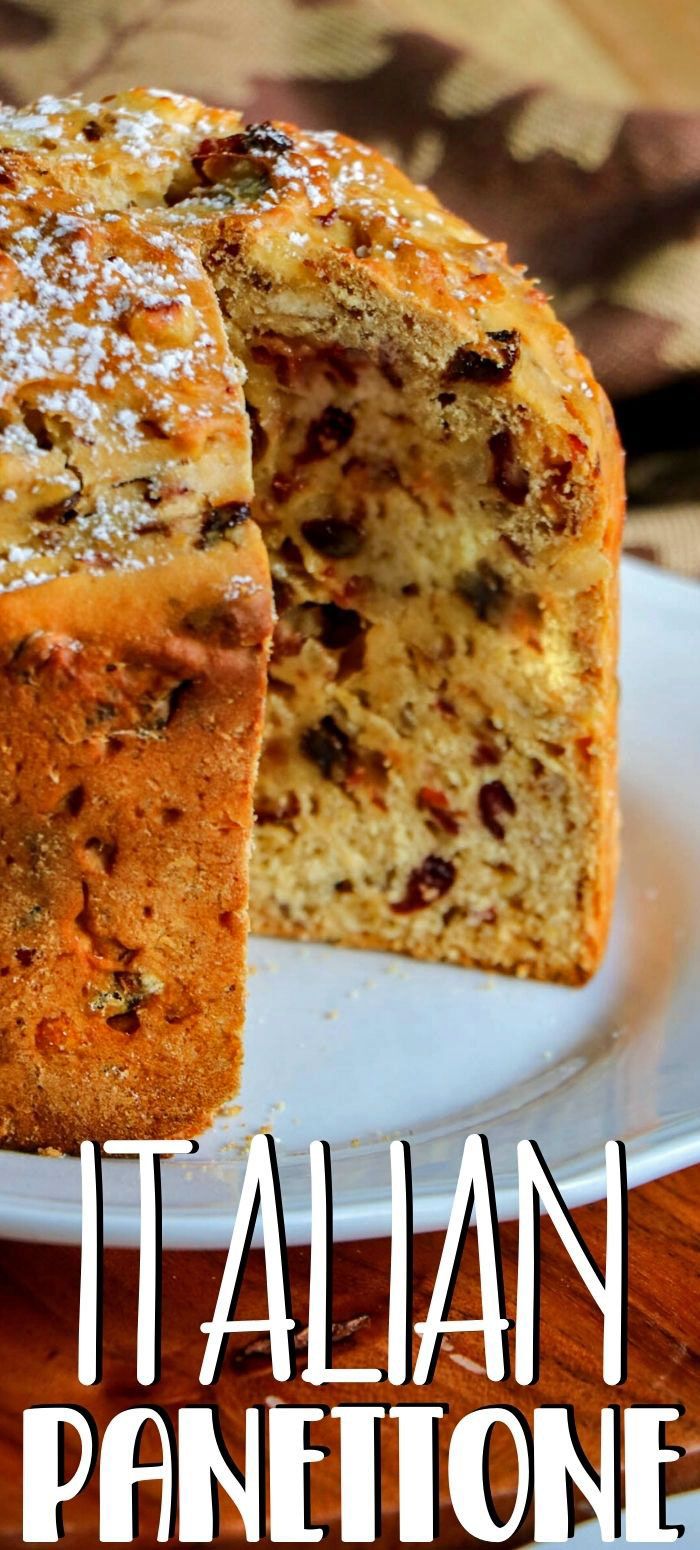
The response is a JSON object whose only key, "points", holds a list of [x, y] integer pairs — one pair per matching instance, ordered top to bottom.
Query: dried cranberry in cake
{"points": [[492, 366], [494, 802], [426, 884]]}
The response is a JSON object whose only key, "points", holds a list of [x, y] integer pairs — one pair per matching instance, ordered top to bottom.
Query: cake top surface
{"points": [[310, 194], [107, 206], [119, 398]]}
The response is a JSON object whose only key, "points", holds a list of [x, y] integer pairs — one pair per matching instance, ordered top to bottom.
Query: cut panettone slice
{"points": [[439, 484], [134, 622]]}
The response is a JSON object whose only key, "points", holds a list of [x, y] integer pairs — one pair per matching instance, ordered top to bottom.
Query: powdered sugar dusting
{"points": [[113, 372]]}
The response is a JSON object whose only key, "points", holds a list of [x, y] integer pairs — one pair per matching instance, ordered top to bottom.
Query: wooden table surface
{"points": [[38, 1324]]}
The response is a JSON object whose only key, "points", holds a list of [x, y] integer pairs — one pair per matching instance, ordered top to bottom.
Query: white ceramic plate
{"points": [[357, 1048], [681, 1511]]}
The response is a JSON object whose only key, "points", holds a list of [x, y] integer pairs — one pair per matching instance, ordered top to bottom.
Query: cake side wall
{"points": [[131, 710]]}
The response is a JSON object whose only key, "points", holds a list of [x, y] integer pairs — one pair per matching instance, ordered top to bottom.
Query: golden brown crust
{"points": [[131, 709]]}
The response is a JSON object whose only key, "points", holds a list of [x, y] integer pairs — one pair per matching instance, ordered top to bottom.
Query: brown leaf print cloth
{"points": [[600, 198]]}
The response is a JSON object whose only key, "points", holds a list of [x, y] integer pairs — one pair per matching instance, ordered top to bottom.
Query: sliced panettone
{"points": [[439, 486], [134, 617]]}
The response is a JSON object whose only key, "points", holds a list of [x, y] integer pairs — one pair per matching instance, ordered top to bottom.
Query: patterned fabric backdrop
{"points": [[514, 114]]}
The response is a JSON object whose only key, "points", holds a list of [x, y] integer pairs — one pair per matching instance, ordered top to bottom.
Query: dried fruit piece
{"points": [[262, 139], [257, 147], [493, 367], [326, 435], [509, 476], [61, 512], [220, 520], [333, 536], [339, 626], [329, 747], [485, 753], [370, 770], [74, 801], [493, 801], [435, 802], [426, 884]]}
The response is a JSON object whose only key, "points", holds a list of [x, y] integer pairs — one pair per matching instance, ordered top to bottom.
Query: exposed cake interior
{"points": [[428, 779]]}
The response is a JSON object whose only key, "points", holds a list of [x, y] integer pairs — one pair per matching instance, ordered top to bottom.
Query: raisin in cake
{"points": [[438, 483], [134, 616]]}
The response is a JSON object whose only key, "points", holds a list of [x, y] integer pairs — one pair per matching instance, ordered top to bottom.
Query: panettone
{"points": [[438, 483]]}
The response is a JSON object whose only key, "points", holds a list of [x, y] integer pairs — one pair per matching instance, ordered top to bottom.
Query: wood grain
{"points": [[38, 1324]]}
